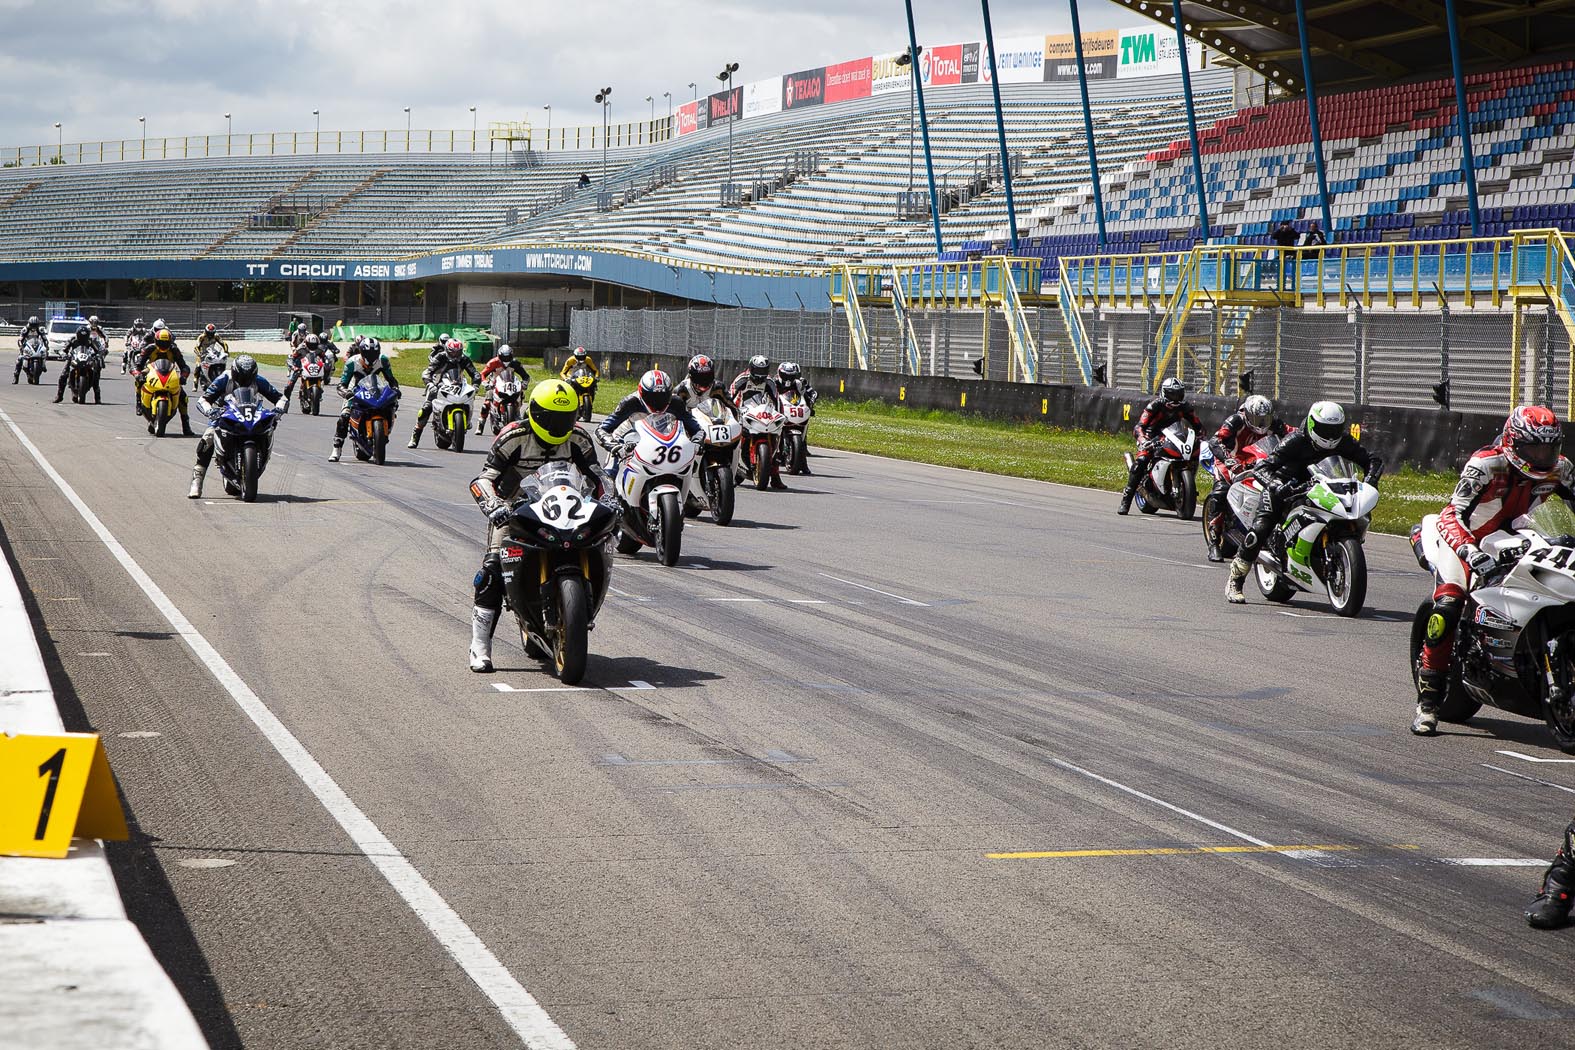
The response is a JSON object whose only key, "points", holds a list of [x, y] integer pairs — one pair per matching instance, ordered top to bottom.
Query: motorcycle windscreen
{"points": [[370, 388], [1265, 445], [1338, 467], [552, 474], [1554, 521]]}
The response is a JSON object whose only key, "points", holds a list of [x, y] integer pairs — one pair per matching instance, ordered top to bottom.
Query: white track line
{"points": [[875, 590], [519, 1008]]}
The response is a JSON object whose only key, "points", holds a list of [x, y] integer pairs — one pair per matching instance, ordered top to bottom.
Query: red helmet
{"points": [[210, 330], [455, 348], [702, 372], [1533, 440]]}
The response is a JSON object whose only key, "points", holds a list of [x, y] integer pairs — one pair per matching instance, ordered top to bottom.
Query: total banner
{"points": [[1100, 51], [1154, 53], [1018, 60], [940, 66], [886, 75], [849, 80], [805, 88], [762, 97], [725, 106], [686, 117]]}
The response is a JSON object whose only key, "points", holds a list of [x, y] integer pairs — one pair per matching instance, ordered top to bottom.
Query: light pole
{"points": [[907, 59], [726, 77], [695, 90], [668, 95], [604, 98], [548, 108], [143, 121], [473, 128], [407, 129], [229, 132], [317, 132], [60, 143]]}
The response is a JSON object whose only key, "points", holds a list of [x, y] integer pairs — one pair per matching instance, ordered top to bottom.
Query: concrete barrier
{"points": [[1427, 439], [74, 971]]}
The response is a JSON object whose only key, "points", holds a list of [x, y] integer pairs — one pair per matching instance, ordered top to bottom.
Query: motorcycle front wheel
{"points": [[317, 401], [161, 418], [379, 441], [762, 465], [249, 470], [721, 495], [1188, 507], [669, 528], [1345, 576], [569, 650]]}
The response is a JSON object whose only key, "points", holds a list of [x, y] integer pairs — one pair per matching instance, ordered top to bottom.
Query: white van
{"points": [[61, 331]]}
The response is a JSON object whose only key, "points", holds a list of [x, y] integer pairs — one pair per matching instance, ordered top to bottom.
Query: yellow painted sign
{"points": [[842, 386], [902, 393], [964, 400], [1044, 406], [1126, 413], [1356, 431], [54, 788]]}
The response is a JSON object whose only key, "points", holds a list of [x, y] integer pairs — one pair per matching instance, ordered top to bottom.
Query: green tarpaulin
{"points": [[478, 343]]}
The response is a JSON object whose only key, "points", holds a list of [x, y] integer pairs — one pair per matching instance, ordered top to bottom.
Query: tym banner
{"points": [[1100, 52], [1153, 53], [1018, 60], [940, 66], [886, 75], [849, 80], [805, 88], [762, 97], [725, 106]]}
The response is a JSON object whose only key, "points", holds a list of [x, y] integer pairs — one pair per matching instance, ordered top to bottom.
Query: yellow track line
{"points": [[1161, 852]]}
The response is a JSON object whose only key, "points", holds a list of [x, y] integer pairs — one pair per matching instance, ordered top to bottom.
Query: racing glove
{"points": [[499, 514], [1477, 559]]}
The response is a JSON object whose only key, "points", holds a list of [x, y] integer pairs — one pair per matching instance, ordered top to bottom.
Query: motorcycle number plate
{"points": [[720, 433], [563, 508], [1554, 558]]}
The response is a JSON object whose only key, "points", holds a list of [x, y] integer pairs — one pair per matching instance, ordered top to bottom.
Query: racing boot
{"points": [[481, 424], [185, 425], [415, 439], [333, 457], [197, 474], [1133, 477], [776, 482], [1238, 573], [482, 623], [1431, 685], [1551, 909]]}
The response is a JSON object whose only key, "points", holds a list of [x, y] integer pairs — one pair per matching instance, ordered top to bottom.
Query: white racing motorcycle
{"points": [[451, 409], [762, 423], [653, 469], [1172, 479], [711, 486], [1319, 546], [1515, 645]]}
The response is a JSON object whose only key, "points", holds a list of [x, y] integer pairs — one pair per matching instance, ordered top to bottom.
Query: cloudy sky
{"points": [[97, 66]]}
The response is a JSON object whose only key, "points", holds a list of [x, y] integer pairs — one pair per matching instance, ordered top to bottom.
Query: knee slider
{"points": [[489, 583], [1445, 617]]}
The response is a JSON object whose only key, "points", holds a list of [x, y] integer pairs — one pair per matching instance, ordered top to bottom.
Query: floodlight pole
{"points": [[1312, 117], [1192, 123], [1088, 124], [1000, 126], [924, 128], [1468, 161]]}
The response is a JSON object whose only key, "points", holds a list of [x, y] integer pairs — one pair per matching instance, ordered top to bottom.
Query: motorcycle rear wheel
{"points": [[669, 528], [1345, 576], [1273, 585], [569, 652], [1457, 707]]}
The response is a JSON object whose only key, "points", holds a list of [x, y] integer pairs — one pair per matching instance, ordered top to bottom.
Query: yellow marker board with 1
{"points": [[54, 788]]}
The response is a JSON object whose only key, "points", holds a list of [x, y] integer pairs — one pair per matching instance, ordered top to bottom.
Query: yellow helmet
{"points": [[163, 337], [553, 407]]}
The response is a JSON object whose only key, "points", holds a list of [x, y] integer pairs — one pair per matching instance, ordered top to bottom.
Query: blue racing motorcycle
{"points": [[372, 407], [243, 438]]}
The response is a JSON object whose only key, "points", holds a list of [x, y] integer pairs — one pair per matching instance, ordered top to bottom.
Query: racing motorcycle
{"points": [[128, 356], [35, 359], [85, 365], [210, 366], [314, 373], [584, 384], [160, 393], [503, 403], [373, 405], [451, 410], [762, 426], [243, 438], [794, 454], [651, 476], [1172, 479], [711, 486], [1217, 514], [1319, 546], [556, 566], [1515, 644]]}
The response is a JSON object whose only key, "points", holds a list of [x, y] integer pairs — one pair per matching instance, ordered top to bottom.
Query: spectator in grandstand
{"points": [[585, 180], [1284, 234], [1314, 237]]}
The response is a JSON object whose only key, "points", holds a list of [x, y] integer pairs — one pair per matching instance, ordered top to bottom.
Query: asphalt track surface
{"points": [[770, 819]]}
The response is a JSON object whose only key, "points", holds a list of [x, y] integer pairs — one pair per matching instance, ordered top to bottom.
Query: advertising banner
{"points": [[1152, 52], [1099, 56], [1018, 60], [940, 66], [973, 68], [886, 75], [849, 80], [807, 87], [762, 97], [725, 106], [686, 118]]}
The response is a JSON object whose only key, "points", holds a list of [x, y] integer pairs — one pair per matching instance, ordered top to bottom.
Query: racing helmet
{"points": [[33, 320], [93, 320], [158, 322], [139, 323], [210, 329], [83, 331], [162, 337], [443, 339], [314, 341], [375, 343], [453, 349], [370, 352], [506, 353], [580, 353], [759, 367], [243, 370], [789, 372], [702, 373], [1173, 390], [655, 391], [553, 407], [1258, 411], [1325, 424], [1533, 441]]}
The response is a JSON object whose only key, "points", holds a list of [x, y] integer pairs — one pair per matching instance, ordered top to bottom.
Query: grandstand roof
{"points": [[1360, 42]]}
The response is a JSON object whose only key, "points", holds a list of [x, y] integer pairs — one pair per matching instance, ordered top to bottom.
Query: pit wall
{"points": [[1427, 439]]}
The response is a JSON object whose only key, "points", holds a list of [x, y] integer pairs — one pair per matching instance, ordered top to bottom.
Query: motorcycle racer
{"points": [[34, 329], [83, 338], [163, 348], [450, 355], [581, 358], [504, 359], [371, 360], [241, 373], [757, 380], [699, 381], [652, 397], [1171, 405], [1253, 421], [546, 433], [1323, 435], [1499, 485]]}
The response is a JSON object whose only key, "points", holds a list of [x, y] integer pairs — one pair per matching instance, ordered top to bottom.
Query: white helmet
{"points": [[1258, 411], [1325, 424]]}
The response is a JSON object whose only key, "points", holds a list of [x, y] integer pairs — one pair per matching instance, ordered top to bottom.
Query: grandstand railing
{"points": [[496, 137], [952, 285], [1071, 314], [858, 337], [910, 342], [1025, 355]]}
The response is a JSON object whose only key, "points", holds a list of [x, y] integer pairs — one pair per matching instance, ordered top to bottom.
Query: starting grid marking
{"points": [[1298, 852]]}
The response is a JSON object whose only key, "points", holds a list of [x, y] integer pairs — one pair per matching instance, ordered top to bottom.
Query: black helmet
{"points": [[33, 319], [139, 323], [83, 332], [370, 351], [758, 368], [243, 370], [702, 372], [789, 372], [1173, 390]]}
